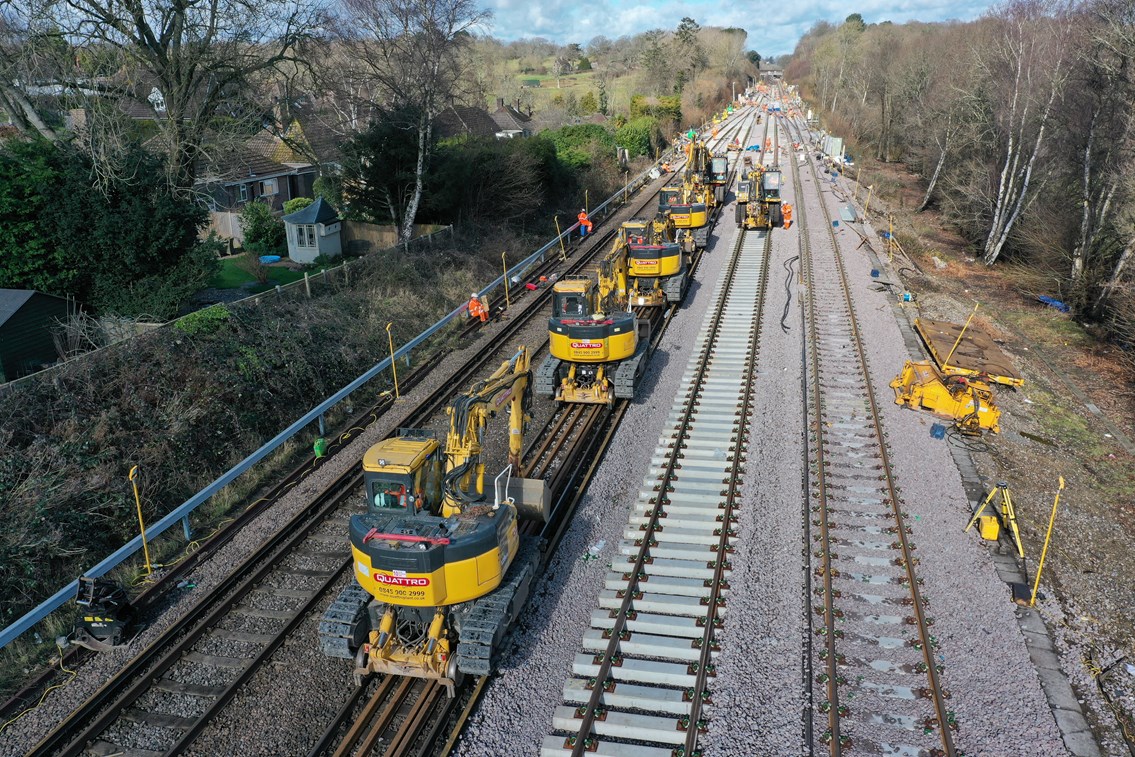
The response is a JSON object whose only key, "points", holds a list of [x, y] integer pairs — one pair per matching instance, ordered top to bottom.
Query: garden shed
{"points": [[313, 231], [26, 320]]}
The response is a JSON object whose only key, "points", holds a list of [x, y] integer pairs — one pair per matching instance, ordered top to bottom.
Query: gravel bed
{"points": [[529, 686], [182, 705]]}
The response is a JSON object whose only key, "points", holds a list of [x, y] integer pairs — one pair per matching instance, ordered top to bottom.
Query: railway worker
{"points": [[665, 166], [787, 211], [584, 223], [477, 308]]}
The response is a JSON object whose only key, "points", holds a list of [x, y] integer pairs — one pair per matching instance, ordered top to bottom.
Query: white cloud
{"points": [[773, 28]]}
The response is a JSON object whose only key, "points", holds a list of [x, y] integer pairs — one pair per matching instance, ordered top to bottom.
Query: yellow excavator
{"points": [[658, 260], [597, 348], [440, 569]]}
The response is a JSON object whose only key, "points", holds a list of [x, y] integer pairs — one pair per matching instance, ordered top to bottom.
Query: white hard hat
{"points": [[474, 295]]}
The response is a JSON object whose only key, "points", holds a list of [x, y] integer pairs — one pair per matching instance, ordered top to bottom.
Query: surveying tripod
{"points": [[1005, 513]]}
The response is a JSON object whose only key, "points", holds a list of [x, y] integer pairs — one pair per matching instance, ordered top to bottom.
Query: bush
{"points": [[640, 136], [296, 204], [261, 226]]}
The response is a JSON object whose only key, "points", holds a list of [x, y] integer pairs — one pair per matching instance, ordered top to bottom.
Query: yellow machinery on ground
{"points": [[690, 200], [760, 206], [657, 260], [597, 349], [956, 388], [968, 400], [440, 569]]}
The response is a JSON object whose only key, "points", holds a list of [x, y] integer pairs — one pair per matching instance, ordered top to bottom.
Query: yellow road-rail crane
{"points": [[758, 199], [657, 260], [597, 349], [440, 569]]}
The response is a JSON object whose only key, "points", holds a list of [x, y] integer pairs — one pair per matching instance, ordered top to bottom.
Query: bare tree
{"points": [[1032, 48], [411, 52], [18, 64], [196, 64]]}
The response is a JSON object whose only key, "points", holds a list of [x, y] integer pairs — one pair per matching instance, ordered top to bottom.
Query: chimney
{"points": [[500, 103], [518, 105]]}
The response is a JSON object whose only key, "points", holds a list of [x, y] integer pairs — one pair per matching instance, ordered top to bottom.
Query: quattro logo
{"points": [[586, 345], [389, 580]]}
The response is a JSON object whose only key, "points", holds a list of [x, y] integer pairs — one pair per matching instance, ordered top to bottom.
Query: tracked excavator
{"points": [[690, 199], [658, 260], [597, 348], [440, 570]]}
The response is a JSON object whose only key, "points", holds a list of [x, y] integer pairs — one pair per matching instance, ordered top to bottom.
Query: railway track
{"points": [[874, 673]]}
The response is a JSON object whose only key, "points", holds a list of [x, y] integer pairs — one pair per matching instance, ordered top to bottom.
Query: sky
{"points": [[773, 27]]}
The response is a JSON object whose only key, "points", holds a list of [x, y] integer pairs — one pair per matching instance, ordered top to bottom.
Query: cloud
{"points": [[774, 28]]}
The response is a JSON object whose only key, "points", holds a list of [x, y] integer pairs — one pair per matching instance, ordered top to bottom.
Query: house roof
{"points": [[509, 118], [457, 120], [261, 156], [317, 212], [12, 300]]}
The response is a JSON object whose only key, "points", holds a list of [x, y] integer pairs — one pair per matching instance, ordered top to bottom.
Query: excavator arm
{"points": [[468, 416]]}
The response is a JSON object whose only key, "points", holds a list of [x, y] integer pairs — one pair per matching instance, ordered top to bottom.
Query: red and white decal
{"points": [[586, 345], [389, 580]]}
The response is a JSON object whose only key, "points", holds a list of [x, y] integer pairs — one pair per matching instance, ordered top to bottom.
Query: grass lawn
{"points": [[231, 276]]}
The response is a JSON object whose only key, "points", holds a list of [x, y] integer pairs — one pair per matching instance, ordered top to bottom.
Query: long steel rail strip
{"points": [[854, 493]]}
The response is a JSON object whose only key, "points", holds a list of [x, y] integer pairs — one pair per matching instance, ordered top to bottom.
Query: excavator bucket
{"points": [[966, 400], [531, 497]]}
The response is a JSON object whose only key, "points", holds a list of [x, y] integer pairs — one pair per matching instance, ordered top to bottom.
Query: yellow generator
{"points": [[760, 208], [657, 261], [596, 349], [968, 400], [440, 569]]}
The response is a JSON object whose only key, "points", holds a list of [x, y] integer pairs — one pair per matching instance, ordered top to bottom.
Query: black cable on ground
{"points": [[788, 293]]}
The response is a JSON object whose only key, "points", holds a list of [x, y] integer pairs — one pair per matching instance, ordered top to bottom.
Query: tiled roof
{"points": [[461, 119]]}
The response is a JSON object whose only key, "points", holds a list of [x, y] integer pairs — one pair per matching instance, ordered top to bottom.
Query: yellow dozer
{"points": [[657, 260], [597, 349], [967, 400], [440, 569]]}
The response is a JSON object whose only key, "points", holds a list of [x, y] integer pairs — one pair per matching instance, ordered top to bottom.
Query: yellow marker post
{"points": [[857, 172], [626, 185], [586, 203], [867, 204], [560, 236], [504, 264], [946, 362], [393, 364], [141, 521], [1047, 538]]}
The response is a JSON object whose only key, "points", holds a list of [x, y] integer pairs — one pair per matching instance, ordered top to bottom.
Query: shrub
{"points": [[296, 204], [261, 226]]}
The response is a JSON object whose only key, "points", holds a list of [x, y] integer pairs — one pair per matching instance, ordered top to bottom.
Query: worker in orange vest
{"points": [[787, 215], [584, 223], [477, 308]]}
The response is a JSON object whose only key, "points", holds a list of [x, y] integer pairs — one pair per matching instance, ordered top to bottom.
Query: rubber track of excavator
{"points": [[547, 380], [344, 625], [483, 628]]}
